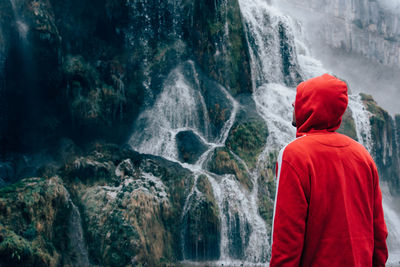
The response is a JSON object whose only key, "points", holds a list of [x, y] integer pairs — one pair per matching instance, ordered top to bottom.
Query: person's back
{"points": [[328, 204]]}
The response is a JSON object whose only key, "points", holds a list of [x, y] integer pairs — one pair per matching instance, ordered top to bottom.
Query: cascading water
{"points": [[271, 46], [279, 60], [272, 95], [273, 100], [181, 107], [361, 117], [361, 120], [392, 220], [78, 254]]}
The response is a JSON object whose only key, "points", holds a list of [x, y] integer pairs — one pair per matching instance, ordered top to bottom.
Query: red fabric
{"points": [[328, 203]]}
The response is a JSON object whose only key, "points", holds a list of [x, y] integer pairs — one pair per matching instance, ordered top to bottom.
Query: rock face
{"points": [[370, 28], [219, 43], [97, 69], [81, 75], [347, 126], [384, 131], [247, 139], [190, 146], [223, 162], [129, 205], [112, 206], [34, 214], [202, 225]]}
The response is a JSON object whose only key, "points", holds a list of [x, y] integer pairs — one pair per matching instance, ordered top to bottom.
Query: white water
{"points": [[274, 100], [179, 107], [361, 120], [392, 219], [79, 255]]}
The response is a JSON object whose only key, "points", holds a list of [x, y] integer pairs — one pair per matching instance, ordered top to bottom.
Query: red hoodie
{"points": [[328, 205]]}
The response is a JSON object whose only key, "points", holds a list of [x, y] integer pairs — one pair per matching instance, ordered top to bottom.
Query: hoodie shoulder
{"points": [[313, 146]]}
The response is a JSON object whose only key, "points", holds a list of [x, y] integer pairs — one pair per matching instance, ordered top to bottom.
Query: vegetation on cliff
{"points": [[247, 139], [385, 143]]}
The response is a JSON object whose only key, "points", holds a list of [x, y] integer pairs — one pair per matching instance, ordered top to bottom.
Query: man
{"points": [[328, 204]]}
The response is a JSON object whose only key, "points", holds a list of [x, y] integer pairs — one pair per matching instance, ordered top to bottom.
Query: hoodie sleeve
{"points": [[289, 218], [380, 231]]}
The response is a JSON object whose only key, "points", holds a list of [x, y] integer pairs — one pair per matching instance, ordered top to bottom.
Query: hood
{"points": [[320, 104]]}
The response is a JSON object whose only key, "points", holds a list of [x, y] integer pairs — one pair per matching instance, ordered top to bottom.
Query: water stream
{"points": [[181, 106], [78, 253]]}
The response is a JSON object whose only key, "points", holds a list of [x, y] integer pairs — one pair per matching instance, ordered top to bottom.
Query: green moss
{"points": [[220, 45], [372, 106], [348, 126], [383, 133], [247, 139], [223, 162], [205, 187], [266, 190], [202, 224], [17, 251]]}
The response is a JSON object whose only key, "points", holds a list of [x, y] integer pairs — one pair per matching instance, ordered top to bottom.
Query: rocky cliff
{"points": [[369, 28], [145, 133]]}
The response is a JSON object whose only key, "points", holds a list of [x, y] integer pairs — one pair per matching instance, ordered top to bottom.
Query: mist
{"points": [[363, 70]]}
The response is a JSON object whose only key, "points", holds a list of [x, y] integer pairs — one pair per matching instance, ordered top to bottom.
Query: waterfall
{"points": [[280, 59], [273, 94], [179, 107], [361, 120], [392, 219], [78, 254]]}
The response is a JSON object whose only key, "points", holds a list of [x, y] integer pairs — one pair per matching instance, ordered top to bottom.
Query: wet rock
{"points": [[219, 44], [291, 74], [218, 105], [348, 126], [247, 139], [385, 143], [190, 146], [223, 162], [87, 168], [125, 168], [6, 173], [266, 188], [129, 204], [30, 215], [128, 221], [201, 222], [239, 230]]}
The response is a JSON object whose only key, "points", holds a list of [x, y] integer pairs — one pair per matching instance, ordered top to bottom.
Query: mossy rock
{"points": [[221, 51], [348, 126], [383, 131], [247, 139], [190, 146], [223, 162], [266, 189], [29, 212], [127, 218], [126, 223], [202, 225], [18, 251]]}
